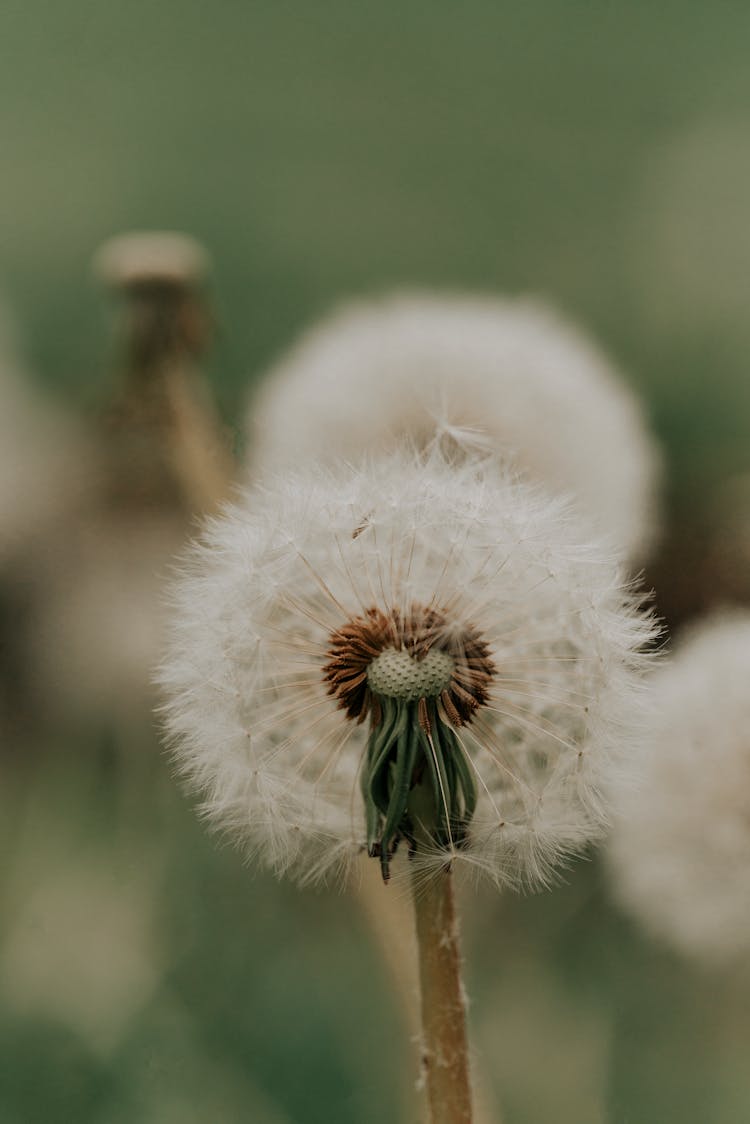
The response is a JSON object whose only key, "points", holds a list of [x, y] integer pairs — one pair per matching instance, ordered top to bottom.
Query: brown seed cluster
{"points": [[357, 643]]}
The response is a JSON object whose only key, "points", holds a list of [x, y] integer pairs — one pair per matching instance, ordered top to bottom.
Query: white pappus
{"points": [[507, 375], [409, 651], [680, 850]]}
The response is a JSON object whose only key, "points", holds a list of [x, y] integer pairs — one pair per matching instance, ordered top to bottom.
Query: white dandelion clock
{"points": [[502, 374], [411, 652], [680, 852]]}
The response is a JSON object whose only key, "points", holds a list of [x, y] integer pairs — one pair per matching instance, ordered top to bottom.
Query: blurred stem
{"points": [[167, 446], [200, 459], [389, 918], [445, 1053]]}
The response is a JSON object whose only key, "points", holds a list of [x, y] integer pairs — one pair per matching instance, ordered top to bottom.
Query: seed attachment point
{"points": [[418, 677]]}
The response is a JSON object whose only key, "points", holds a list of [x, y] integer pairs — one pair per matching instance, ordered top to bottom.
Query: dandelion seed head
{"points": [[478, 374], [341, 637], [680, 851]]}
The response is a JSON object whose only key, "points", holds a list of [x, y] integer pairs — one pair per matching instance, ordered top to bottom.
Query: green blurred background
{"points": [[595, 152]]}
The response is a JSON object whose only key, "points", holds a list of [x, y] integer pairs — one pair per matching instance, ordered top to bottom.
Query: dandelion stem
{"points": [[445, 1054]]}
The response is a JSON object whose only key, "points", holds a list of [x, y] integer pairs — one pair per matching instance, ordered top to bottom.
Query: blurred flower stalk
{"points": [[165, 421], [154, 458]]}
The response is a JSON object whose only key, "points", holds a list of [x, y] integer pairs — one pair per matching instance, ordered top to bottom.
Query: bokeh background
{"points": [[597, 153]]}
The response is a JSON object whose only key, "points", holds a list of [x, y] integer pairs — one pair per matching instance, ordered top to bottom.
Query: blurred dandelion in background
{"points": [[508, 375], [154, 457], [680, 851]]}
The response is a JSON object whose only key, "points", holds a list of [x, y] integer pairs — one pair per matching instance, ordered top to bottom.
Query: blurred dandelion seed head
{"points": [[148, 257], [481, 374], [545, 652], [680, 851]]}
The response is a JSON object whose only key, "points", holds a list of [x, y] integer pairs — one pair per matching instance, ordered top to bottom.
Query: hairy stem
{"points": [[445, 1054]]}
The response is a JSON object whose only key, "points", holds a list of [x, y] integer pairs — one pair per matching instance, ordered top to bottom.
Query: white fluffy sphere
{"points": [[509, 375], [256, 726], [680, 851]]}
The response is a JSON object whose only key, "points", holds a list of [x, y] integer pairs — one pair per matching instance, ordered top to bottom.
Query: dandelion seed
{"points": [[480, 373], [411, 652], [680, 851]]}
